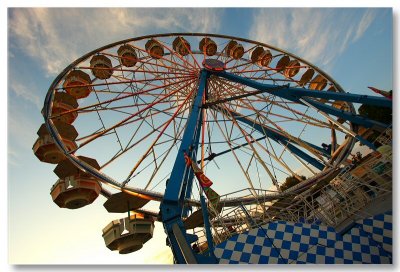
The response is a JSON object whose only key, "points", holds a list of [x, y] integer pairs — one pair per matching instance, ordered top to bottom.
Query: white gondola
{"points": [[75, 188], [128, 234]]}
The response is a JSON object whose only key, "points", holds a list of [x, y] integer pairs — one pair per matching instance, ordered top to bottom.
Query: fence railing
{"points": [[340, 199]]}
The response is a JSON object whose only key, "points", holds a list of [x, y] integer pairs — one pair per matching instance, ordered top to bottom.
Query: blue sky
{"points": [[354, 46]]}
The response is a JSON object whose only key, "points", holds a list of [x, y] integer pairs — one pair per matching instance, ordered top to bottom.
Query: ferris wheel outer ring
{"points": [[157, 196]]}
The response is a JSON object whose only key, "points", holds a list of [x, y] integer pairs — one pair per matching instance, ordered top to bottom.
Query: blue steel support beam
{"points": [[300, 92], [295, 94], [347, 115], [271, 132], [279, 139], [189, 180], [175, 185], [171, 206], [207, 226]]}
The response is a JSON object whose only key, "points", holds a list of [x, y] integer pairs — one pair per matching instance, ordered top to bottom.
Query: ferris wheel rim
{"points": [[102, 176]]}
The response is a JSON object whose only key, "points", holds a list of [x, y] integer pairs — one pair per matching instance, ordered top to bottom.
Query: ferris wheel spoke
{"points": [[245, 52], [175, 54], [191, 54], [222, 54], [150, 61], [241, 65], [120, 69], [265, 69], [118, 82], [129, 86], [240, 91], [133, 94], [227, 95], [239, 100], [119, 108], [228, 114], [296, 114], [131, 116], [286, 118], [143, 120], [159, 136], [278, 137], [132, 144], [128, 146], [308, 146], [315, 150], [165, 156], [235, 156], [278, 160]]}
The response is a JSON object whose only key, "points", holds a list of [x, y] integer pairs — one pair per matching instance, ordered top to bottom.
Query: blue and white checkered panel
{"points": [[380, 228], [322, 235], [276, 242], [285, 242], [251, 247], [355, 248], [361, 248], [325, 255]]}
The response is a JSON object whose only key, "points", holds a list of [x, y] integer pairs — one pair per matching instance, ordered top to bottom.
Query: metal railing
{"points": [[349, 196]]}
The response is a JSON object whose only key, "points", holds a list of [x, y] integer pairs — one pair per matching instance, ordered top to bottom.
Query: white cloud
{"points": [[365, 22], [316, 35], [55, 37], [26, 93]]}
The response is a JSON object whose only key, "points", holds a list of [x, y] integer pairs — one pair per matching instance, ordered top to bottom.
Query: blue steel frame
{"points": [[299, 94], [180, 183]]}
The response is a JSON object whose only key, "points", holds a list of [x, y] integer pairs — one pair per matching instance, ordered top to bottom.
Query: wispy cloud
{"points": [[365, 22], [310, 33], [55, 37], [23, 92]]}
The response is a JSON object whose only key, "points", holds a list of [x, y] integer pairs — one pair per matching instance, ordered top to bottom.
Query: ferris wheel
{"points": [[199, 124]]}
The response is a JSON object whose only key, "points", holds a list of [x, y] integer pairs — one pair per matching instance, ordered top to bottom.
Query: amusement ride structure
{"points": [[200, 132]]}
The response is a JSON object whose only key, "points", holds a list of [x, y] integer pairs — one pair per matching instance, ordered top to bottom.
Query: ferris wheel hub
{"points": [[214, 65]]}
